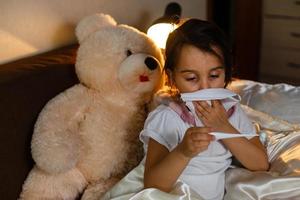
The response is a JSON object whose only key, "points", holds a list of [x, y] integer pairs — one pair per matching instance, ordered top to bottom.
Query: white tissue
{"points": [[227, 97], [221, 135]]}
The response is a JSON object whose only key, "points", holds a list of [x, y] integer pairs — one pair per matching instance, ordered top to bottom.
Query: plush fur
{"points": [[89, 133]]}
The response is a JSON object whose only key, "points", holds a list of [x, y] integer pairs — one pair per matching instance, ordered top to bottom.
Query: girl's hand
{"points": [[214, 116], [196, 140]]}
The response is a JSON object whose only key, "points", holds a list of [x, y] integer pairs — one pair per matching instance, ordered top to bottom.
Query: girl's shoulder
{"points": [[163, 111], [163, 125]]}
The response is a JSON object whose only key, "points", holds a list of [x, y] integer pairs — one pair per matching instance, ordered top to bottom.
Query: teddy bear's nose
{"points": [[151, 63]]}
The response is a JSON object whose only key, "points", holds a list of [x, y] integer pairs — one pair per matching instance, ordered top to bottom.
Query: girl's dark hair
{"points": [[203, 35]]}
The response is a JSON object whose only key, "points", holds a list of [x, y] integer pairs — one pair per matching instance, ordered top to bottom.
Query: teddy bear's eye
{"points": [[128, 52]]}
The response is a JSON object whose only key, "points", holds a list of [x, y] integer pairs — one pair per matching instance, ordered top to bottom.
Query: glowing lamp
{"points": [[163, 26]]}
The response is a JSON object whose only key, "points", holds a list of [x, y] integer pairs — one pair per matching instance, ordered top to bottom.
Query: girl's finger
{"points": [[215, 103], [204, 105], [218, 105], [200, 110], [199, 114], [205, 130], [202, 137], [201, 144]]}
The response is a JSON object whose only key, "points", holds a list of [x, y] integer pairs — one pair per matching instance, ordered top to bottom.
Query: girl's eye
{"points": [[128, 53], [214, 76], [190, 78]]}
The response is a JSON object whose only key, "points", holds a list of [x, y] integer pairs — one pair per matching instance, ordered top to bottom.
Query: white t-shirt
{"points": [[205, 172]]}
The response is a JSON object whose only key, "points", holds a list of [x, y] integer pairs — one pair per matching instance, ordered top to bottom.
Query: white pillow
{"points": [[280, 100]]}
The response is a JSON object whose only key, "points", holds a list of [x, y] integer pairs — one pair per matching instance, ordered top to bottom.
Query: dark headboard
{"points": [[26, 85]]}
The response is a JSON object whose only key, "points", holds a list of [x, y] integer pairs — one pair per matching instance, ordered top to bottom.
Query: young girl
{"points": [[197, 57]]}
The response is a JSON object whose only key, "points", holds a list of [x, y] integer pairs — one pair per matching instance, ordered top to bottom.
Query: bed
{"points": [[275, 110]]}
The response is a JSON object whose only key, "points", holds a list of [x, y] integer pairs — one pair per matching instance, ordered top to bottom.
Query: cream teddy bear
{"points": [[89, 133]]}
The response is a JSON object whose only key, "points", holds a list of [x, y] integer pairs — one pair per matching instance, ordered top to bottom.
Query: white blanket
{"points": [[281, 139], [282, 181]]}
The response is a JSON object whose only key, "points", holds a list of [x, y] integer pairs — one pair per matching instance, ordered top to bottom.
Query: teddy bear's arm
{"points": [[56, 141]]}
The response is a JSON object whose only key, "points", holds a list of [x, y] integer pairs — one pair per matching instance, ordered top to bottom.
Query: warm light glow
{"points": [[160, 32]]}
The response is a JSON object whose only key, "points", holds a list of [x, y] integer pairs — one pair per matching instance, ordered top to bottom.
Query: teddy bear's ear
{"points": [[92, 23]]}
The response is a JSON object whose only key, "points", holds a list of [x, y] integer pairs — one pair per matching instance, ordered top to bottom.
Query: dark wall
{"points": [[241, 21]]}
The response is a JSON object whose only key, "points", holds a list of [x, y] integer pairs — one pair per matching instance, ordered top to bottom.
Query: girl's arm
{"points": [[251, 153], [162, 168]]}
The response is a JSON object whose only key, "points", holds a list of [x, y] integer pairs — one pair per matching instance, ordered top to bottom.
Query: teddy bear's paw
{"points": [[40, 185]]}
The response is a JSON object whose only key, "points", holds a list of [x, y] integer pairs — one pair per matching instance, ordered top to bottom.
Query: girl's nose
{"points": [[204, 84]]}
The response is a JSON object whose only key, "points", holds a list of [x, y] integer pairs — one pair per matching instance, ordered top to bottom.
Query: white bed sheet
{"points": [[279, 100], [279, 129]]}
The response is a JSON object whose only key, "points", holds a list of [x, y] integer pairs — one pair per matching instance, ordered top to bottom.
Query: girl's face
{"points": [[196, 70]]}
